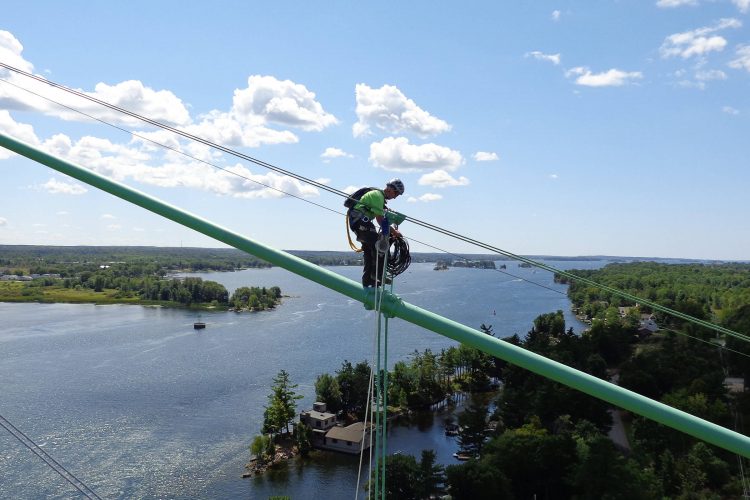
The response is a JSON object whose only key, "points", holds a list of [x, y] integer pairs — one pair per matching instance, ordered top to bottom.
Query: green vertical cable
{"points": [[393, 306], [383, 372], [385, 398], [377, 399]]}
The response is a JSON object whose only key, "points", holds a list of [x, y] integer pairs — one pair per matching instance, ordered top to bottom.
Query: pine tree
{"points": [[282, 408]]}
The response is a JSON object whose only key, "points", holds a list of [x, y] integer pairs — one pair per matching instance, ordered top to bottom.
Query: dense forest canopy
{"points": [[706, 291]]}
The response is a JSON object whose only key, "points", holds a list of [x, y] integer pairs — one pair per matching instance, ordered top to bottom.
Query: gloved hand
{"points": [[395, 217]]}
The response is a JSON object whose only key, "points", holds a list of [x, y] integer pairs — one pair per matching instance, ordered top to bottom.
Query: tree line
{"points": [[149, 282], [707, 291]]}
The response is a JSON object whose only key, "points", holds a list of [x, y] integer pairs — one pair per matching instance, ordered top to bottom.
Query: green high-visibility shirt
{"points": [[371, 204]]}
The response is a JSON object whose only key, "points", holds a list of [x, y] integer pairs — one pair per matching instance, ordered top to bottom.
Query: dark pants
{"points": [[368, 236]]}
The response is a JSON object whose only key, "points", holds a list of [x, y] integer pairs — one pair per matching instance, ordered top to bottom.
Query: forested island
{"points": [[443, 264], [125, 276], [546, 440]]}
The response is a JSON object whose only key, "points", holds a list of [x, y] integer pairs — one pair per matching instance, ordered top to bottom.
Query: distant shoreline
{"points": [[83, 253]]}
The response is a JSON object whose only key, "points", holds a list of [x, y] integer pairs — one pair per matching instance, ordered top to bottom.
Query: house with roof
{"points": [[647, 326], [319, 420], [327, 434], [348, 439]]}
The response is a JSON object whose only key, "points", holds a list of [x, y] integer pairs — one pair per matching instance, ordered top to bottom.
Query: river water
{"points": [[137, 404]]}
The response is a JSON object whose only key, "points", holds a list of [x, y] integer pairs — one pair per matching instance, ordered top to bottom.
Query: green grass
{"points": [[17, 291]]}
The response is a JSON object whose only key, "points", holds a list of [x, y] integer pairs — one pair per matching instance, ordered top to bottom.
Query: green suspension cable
{"points": [[384, 391], [385, 398], [376, 405]]}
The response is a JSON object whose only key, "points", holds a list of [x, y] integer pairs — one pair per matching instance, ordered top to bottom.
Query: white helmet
{"points": [[397, 185]]}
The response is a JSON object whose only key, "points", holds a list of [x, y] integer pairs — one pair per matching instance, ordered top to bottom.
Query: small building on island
{"points": [[319, 421], [327, 434], [347, 439]]}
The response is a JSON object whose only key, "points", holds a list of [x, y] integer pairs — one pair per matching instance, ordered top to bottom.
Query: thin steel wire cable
{"points": [[164, 126], [166, 146], [227, 171], [418, 222], [498, 270], [370, 396], [380, 422], [364, 429], [51, 462]]}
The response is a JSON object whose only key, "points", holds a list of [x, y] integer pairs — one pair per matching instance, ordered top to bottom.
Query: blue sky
{"points": [[559, 128]]}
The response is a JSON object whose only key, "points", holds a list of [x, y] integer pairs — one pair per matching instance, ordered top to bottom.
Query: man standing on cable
{"points": [[371, 206]]}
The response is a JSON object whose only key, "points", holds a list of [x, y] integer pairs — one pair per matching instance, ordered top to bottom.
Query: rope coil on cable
{"points": [[399, 257]]}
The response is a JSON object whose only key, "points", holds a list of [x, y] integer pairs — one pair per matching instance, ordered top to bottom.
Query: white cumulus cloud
{"points": [[665, 4], [742, 5], [555, 15], [698, 42], [10, 54], [540, 56], [743, 58], [711, 74], [612, 78], [133, 95], [282, 102], [264, 103], [389, 110], [730, 110], [261, 113], [15, 129], [335, 153], [396, 154], [485, 156], [138, 162], [442, 179], [53, 186], [425, 198], [3, 221]]}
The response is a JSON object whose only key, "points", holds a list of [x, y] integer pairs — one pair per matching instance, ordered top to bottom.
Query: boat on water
{"points": [[199, 325], [451, 430]]}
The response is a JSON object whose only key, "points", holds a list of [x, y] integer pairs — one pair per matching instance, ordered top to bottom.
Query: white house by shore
{"points": [[327, 434]]}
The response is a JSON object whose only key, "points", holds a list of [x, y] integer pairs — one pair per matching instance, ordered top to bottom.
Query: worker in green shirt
{"points": [[371, 206]]}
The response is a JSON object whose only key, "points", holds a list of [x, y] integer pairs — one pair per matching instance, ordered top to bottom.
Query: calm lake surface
{"points": [[137, 404]]}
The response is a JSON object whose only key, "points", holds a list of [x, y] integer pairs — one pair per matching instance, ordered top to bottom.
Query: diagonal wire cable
{"points": [[175, 130], [166, 146], [231, 172], [427, 225], [51, 462]]}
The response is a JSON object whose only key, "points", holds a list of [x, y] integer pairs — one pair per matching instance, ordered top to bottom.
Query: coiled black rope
{"points": [[399, 257]]}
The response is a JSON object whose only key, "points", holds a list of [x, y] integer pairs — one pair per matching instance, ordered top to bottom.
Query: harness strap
{"points": [[349, 236]]}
